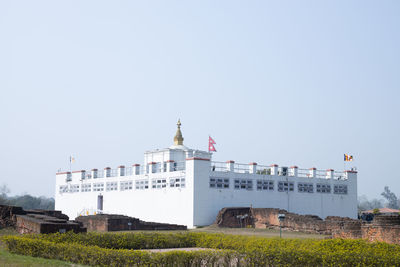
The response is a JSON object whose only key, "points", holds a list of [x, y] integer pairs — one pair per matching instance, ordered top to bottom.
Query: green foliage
{"points": [[390, 197], [25, 201], [376, 211], [116, 250], [96, 256]]}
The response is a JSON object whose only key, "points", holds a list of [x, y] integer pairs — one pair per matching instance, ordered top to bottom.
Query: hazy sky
{"points": [[285, 82]]}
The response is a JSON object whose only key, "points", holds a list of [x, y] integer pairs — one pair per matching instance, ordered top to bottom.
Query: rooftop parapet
{"points": [[274, 169], [120, 171]]}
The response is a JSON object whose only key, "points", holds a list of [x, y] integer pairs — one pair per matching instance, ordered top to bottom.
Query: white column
{"points": [[170, 165], [230, 165], [152, 167], [252, 167], [136, 169], [274, 169], [121, 170], [293, 171], [107, 172], [313, 172], [94, 173], [330, 173], [350, 174]]}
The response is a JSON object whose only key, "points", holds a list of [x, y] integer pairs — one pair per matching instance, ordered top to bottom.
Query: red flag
{"points": [[211, 144]]}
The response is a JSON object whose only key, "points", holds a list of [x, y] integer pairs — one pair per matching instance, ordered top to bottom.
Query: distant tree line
{"points": [[25, 201], [390, 201]]}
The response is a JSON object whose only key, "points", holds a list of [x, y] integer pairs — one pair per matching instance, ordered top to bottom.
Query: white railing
{"points": [[217, 166], [129, 171], [280, 171], [303, 173], [337, 175]]}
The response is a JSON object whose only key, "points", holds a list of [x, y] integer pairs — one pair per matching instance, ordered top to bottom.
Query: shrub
{"points": [[253, 251], [96, 256]]}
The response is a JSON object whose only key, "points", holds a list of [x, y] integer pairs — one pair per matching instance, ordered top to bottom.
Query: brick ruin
{"points": [[37, 221], [51, 221], [113, 222], [43, 224], [385, 228]]}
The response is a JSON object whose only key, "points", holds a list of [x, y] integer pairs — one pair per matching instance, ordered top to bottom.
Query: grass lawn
{"points": [[14, 260]]}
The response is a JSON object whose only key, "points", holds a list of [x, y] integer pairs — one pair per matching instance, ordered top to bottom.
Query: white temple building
{"points": [[184, 186]]}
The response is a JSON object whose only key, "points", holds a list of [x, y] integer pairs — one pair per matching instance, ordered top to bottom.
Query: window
{"points": [[177, 182], [159, 183], [219, 183], [142, 184], [243, 184], [126, 185], [265, 185], [112, 186], [285, 186], [98, 187], [305, 187], [63, 188], [74, 188], [86, 188], [323, 188], [340, 189]]}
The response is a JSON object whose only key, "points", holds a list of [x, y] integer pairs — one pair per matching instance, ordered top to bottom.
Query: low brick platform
{"points": [[37, 221], [113, 222], [43, 224]]}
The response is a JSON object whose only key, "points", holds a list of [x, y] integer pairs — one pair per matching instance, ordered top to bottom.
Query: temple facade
{"points": [[185, 186]]}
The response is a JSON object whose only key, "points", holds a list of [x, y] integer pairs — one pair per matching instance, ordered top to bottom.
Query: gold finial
{"points": [[178, 139]]}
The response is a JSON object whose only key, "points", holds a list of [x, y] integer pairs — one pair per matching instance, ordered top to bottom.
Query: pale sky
{"points": [[285, 82]]}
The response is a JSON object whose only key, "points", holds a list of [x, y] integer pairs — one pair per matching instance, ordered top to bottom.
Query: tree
{"points": [[3, 194], [391, 198], [25, 201], [365, 204]]}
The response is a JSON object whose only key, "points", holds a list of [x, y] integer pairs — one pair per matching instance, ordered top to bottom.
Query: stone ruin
{"points": [[37, 221], [52, 221], [113, 222], [385, 228]]}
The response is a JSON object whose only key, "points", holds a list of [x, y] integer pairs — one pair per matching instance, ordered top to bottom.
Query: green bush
{"points": [[252, 251], [96, 256]]}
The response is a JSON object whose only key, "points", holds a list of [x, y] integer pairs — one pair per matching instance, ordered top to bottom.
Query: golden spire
{"points": [[178, 139]]}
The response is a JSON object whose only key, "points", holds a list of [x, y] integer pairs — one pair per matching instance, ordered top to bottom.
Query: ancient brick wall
{"points": [[8, 215], [234, 217], [268, 218], [94, 222], [113, 222], [38, 223], [384, 228]]}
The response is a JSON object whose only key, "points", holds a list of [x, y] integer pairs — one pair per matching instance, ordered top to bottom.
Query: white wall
{"points": [[209, 201], [168, 205]]}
